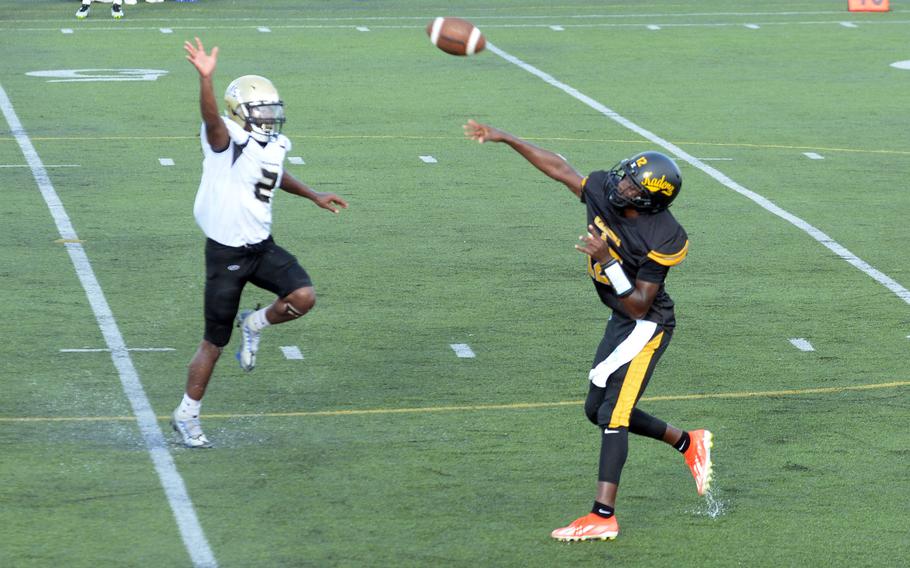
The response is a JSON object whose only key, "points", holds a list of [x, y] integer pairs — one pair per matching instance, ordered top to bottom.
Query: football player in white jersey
{"points": [[242, 166]]}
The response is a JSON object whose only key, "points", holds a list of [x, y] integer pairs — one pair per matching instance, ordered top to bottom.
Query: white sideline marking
{"points": [[849, 25], [753, 26], [653, 27], [557, 28], [264, 29], [363, 29], [66, 30], [166, 30], [813, 156], [428, 159], [296, 160], [166, 161], [722, 178], [802, 344], [103, 350], [463, 350], [291, 352], [174, 488]]}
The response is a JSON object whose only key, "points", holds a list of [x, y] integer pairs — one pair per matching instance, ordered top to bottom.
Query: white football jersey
{"points": [[234, 202]]}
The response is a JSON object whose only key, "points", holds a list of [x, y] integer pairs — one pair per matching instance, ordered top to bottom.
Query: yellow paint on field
{"points": [[530, 138], [477, 407]]}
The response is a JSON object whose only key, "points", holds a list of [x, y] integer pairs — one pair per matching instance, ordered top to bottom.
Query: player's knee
{"points": [[300, 301], [218, 334], [591, 411]]}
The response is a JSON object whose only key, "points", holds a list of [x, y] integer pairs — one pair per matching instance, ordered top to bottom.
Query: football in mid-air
{"points": [[456, 36]]}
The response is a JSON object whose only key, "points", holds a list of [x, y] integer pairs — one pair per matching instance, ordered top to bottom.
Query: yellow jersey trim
{"points": [[669, 259]]}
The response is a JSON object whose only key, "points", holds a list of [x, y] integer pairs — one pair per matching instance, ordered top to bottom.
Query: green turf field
{"points": [[381, 447]]}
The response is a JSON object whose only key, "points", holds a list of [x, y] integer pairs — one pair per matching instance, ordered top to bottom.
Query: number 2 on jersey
{"points": [[264, 188]]}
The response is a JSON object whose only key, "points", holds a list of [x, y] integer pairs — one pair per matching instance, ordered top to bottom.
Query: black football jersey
{"points": [[646, 246]]}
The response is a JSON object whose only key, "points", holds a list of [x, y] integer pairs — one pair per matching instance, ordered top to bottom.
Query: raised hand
{"points": [[202, 61]]}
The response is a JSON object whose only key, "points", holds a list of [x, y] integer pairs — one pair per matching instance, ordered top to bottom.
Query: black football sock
{"points": [[643, 424], [683, 444], [614, 448], [602, 510]]}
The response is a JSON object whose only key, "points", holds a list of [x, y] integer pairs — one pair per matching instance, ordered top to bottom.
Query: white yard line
{"points": [[720, 177], [174, 488]]}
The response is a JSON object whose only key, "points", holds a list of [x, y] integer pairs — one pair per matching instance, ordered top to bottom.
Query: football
{"points": [[456, 36]]}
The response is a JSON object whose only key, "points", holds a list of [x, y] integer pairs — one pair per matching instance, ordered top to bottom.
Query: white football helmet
{"points": [[253, 103]]}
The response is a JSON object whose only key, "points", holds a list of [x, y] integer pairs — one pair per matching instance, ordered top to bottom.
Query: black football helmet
{"points": [[657, 177]]}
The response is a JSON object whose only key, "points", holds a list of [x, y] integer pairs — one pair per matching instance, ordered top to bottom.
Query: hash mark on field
{"points": [[849, 25], [753, 26], [653, 27], [557, 28], [264, 29], [363, 29], [66, 30], [166, 30], [813, 156], [428, 159], [296, 160], [166, 161], [802, 344], [463, 350], [291, 352]]}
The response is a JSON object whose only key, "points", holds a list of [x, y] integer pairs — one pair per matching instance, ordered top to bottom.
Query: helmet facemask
{"points": [[263, 119], [625, 170], [656, 177]]}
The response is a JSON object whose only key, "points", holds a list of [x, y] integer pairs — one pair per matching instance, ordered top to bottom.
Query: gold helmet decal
{"points": [[660, 184]]}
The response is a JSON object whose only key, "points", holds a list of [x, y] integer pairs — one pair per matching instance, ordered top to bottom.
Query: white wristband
{"points": [[613, 270]]}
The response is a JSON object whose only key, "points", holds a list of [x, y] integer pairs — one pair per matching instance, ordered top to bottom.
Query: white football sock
{"points": [[257, 320], [188, 408]]}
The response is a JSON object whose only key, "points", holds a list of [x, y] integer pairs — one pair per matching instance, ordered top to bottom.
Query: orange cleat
{"points": [[698, 458], [590, 527]]}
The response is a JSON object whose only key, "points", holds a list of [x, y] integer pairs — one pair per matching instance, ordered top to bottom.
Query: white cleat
{"points": [[116, 11], [82, 12], [249, 342], [190, 431]]}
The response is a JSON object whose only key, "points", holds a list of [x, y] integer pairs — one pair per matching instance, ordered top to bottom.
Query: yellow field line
{"points": [[535, 139], [477, 407]]}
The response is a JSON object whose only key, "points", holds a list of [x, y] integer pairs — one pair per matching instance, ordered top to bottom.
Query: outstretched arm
{"points": [[215, 130], [548, 162], [325, 200]]}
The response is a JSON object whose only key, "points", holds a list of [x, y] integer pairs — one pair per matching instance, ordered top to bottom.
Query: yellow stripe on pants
{"points": [[631, 386]]}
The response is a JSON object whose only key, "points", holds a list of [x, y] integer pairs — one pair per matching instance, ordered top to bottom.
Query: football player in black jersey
{"points": [[631, 242]]}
